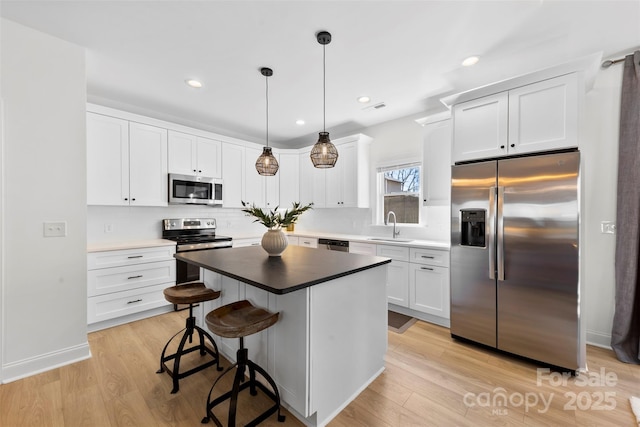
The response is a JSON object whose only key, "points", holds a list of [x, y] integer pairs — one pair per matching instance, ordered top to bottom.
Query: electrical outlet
{"points": [[607, 227], [108, 228], [55, 229]]}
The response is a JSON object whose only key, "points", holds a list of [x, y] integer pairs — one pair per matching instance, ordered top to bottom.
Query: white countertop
{"points": [[131, 244], [135, 244], [432, 244]]}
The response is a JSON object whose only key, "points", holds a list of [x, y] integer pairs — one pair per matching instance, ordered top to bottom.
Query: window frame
{"points": [[380, 184]]}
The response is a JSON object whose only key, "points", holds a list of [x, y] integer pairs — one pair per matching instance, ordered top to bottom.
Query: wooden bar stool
{"points": [[189, 293], [237, 320]]}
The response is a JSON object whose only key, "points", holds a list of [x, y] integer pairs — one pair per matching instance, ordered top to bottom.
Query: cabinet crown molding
{"points": [[587, 65]]}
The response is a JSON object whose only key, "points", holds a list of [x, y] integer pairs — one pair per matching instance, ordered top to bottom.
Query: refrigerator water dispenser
{"points": [[473, 227]]}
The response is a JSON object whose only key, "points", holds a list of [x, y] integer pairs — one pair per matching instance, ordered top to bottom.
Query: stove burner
{"points": [[194, 234]]}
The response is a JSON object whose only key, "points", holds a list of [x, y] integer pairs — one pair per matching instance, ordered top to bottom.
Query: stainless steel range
{"points": [[192, 234]]}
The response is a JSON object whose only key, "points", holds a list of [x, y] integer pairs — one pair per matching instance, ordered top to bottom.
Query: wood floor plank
{"points": [[430, 379]]}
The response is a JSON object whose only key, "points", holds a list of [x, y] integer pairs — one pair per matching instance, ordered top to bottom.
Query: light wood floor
{"points": [[430, 380]]}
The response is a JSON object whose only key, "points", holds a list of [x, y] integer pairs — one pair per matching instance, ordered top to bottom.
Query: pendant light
{"points": [[324, 154], [267, 164]]}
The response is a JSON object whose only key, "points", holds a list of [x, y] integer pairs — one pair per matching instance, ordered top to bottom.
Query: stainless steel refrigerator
{"points": [[514, 256]]}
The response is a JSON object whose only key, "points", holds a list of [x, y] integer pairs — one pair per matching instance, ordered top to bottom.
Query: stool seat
{"points": [[190, 293], [239, 319]]}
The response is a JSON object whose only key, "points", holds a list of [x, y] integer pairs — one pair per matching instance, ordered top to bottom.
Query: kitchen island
{"points": [[330, 340]]}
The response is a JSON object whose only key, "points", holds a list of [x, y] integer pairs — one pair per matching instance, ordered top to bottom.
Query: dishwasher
{"points": [[334, 245]]}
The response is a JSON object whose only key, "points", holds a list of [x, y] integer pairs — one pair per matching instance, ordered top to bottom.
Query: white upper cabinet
{"points": [[544, 115], [535, 117], [480, 128], [194, 155], [107, 160], [126, 162], [436, 162], [232, 175], [289, 179], [312, 182], [148, 183], [344, 185], [254, 191]]}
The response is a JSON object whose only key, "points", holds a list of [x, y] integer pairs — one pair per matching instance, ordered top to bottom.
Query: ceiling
{"points": [[405, 54]]}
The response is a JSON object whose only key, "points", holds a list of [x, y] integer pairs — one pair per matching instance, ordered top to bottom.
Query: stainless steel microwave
{"points": [[194, 190]]}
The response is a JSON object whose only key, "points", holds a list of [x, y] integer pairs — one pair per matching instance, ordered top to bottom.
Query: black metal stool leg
{"points": [[187, 333], [164, 350], [176, 363], [239, 384]]}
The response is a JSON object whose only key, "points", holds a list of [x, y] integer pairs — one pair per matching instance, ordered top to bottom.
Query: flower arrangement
{"points": [[273, 219]]}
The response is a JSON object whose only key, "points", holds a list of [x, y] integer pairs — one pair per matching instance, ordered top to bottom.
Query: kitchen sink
{"points": [[382, 239]]}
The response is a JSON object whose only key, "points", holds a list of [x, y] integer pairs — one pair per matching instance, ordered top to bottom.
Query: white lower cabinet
{"points": [[309, 242], [362, 248], [397, 273], [397, 279], [418, 279], [127, 282], [429, 282]]}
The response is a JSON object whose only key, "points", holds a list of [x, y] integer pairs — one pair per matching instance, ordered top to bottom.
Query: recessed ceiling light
{"points": [[472, 60], [193, 83], [364, 99], [300, 122]]}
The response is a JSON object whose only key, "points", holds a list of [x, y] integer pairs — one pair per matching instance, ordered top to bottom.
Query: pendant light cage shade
{"points": [[324, 154], [267, 164]]}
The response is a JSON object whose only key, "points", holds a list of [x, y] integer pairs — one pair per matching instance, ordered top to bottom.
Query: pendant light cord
{"points": [[266, 81], [324, 89]]}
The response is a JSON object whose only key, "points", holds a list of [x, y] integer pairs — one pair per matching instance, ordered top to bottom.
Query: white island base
{"points": [[327, 346]]}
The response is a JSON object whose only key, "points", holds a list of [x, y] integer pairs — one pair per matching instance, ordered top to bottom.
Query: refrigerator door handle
{"points": [[490, 233], [500, 234]]}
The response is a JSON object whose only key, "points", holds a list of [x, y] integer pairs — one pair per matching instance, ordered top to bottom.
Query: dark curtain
{"points": [[625, 335]]}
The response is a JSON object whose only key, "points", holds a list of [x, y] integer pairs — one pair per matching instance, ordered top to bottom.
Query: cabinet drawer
{"points": [[309, 242], [362, 248], [400, 253], [430, 257], [119, 258], [109, 280], [105, 307]]}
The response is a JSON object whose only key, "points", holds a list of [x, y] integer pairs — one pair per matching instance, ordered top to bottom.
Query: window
{"points": [[399, 191]]}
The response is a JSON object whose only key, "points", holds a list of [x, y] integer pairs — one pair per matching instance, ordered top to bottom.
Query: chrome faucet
{"points": [[395, 233]]}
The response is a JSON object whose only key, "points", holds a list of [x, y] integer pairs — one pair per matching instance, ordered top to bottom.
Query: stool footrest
{"points": [[175, 372], [241, 383]]}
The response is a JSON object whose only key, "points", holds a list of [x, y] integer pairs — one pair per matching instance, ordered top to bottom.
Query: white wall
{"points": [[600, 160], [44, 292]]}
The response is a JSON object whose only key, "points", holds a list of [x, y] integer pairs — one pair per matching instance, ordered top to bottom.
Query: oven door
{"points": [[186, 272]]}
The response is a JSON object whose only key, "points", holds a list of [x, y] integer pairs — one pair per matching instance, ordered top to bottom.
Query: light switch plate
{"points": [[608, 227], [55, 229]]}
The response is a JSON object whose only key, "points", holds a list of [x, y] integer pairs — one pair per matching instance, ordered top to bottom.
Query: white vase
{"points": [[274, 242]]}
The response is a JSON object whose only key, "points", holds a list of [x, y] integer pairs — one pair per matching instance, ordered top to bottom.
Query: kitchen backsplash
{"points": [[119, 223]]}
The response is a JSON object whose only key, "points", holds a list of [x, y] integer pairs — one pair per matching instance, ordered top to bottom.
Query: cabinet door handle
{"points": [[513, 145], [502, 147], [135, 256], [428, 257], [426, 268], [135, 277], [134, 301]]}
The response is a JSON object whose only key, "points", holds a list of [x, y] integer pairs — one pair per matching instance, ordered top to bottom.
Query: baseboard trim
{"points": [[441, 321], [110, 323], [599, 339], [45, 362]]}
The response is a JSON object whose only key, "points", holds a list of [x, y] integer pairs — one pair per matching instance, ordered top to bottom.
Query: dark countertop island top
{"points": [[297, 268]]}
